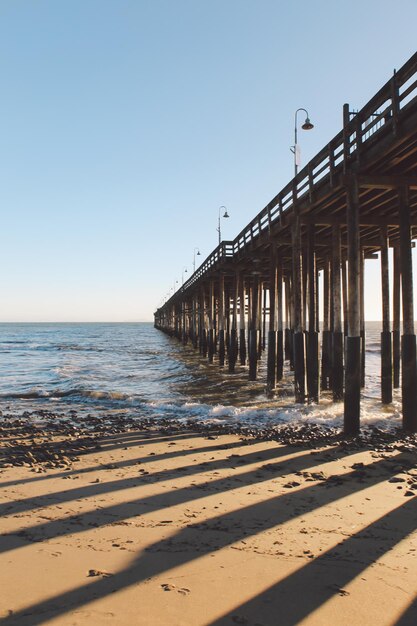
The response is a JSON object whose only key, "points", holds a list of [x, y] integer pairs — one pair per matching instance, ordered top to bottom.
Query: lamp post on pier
{"points": [[295, 149], [225, 215], [198, 254], [184, 271]]}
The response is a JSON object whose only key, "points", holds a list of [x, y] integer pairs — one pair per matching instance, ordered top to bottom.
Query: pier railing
{"points": [[360, 131]]}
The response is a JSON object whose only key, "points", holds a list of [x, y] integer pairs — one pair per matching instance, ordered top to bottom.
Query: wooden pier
{"points": [[354, 200]]}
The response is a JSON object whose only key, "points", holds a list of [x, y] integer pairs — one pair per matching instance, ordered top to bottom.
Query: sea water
{"points": [[138, 371]]}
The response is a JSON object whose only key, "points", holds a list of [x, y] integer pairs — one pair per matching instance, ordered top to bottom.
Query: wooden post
{"points": [[304, 274], [345, 297], [250, 300], [318, 308], [211, 314], [362, 316], [396, 318], [259, 319], [227, 320], [179, 321], [184, 321], [194, 321], [242, 321], [203, 323], [288, 323], [253, 329], [220, 330], [233, 331], [272, 332], [313, 336], [326, 337], [280, 339], [337, 339], [298, 340], [353, 340], [408, 340], [263, 342], [386, 350]]}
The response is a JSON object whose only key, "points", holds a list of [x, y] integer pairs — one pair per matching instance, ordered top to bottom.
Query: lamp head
{"points": [[307, 124], [226, 214], [198, 252]]}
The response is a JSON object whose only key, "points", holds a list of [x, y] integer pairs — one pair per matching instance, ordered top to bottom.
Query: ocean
{"points": [[134, 370]]}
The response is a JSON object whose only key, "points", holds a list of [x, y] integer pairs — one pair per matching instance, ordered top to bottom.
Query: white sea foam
{"points": [[138, 370]]}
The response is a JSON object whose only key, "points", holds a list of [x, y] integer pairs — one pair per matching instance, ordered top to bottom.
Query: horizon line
{"points": [[76, 321]]}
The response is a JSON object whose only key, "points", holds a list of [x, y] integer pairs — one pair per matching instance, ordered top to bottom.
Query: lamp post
{"points": [[295, 149], [218, 227], [198, 254], [184, 271]]}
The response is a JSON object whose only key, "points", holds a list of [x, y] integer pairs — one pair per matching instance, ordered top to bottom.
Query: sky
{"points": [[125, 124]]}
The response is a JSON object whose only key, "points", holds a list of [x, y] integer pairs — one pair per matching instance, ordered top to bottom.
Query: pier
{"points": [[261, 293]]}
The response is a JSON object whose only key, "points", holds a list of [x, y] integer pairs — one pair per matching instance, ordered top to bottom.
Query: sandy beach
{"points": [[167, 527]]}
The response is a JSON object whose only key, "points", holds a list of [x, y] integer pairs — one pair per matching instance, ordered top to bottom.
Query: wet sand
{"points": [[166, 526]]}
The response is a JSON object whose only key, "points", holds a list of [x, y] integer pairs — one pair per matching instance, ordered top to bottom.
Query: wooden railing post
{"points": [[395, 103], [346, 137]]}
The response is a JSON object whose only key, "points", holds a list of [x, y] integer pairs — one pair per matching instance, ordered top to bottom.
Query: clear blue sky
{"points": [[125, 124]]}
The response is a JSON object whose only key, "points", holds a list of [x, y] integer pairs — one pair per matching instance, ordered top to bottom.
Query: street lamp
{"points": [[295, 149], [218, 227], [198, 254], [184, 271]]}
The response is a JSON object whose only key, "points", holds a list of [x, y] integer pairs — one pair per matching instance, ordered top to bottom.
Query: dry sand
{"points": [[186, 529]]}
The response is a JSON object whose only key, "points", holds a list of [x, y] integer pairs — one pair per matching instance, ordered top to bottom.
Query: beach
{"points": [[167, 524]]}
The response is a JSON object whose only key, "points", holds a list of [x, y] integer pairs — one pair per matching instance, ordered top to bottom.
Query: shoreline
{"points": [[173, 525]]}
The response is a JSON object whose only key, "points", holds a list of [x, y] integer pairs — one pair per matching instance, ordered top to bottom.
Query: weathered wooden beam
{"points": [[386, 181], [365, 220], [396, 296], [221, 314], [362, 315], [242, 321], [203, 322], [211, 323], [280, 324], [253, 329], [272, 332], [326, 335], [337, 338], [298, 339], [353, 340], [408, 342], [233, 344], [288, 346], [386, 346], [313, 382]]}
